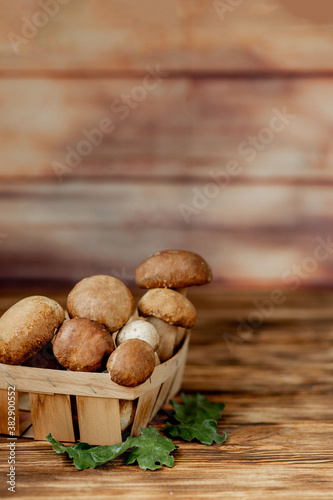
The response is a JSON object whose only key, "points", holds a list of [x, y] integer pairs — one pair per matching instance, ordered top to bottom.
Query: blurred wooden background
{"points": [[226, 66]]}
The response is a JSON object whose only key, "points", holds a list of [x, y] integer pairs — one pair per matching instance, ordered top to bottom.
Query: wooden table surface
{"points": [[277, 384]]}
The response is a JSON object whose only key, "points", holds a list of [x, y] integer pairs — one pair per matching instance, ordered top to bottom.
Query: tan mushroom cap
{"points": [[173, 269], [101, 298], [169, 306], [27, 326], [83, 345], [132, 363]]}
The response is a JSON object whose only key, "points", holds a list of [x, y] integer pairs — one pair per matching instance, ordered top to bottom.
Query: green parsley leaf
{"points": [[196, 409], [197, 419], [205, 432], [152, 450], [84, 455]]}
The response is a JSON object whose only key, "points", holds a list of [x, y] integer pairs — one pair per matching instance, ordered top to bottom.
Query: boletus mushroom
{"points": [[177, 269], [101, 298], [167, 310], [27, 326], [139, 329], [83, 345], [132, 363]]}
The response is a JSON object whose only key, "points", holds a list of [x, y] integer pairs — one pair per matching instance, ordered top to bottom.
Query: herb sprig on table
{"points": [[196, 419]]}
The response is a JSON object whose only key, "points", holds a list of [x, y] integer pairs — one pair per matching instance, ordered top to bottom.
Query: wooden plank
{"points": [[181, 35], [183, 130], [277, 228], [178, 379], [49, 382], [162, 396], [144, 409], [281, 409], [52, 414], [99, 420], [256, 462]]}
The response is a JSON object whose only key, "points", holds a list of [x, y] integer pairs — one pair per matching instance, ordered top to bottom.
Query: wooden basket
{"points": [[97, 399]]}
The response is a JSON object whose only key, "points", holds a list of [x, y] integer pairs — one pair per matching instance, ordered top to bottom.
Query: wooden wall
{"points": [[225, 73]]}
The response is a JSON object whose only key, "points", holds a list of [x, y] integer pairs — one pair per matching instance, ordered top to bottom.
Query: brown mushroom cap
{"points": [[173, 269], [101, 298], [169, 306], [27, 326], [83, 345], [132, 363]]}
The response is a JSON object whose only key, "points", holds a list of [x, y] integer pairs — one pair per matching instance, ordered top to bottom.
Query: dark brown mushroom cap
{"points": [[173, 269], [101, 298], [169, 306], [27, 326], [83, 345], [132, 363]]}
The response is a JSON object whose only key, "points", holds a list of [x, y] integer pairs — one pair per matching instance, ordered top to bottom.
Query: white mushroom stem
{"points": [[181, 332], [168, 334], [127, 412]]}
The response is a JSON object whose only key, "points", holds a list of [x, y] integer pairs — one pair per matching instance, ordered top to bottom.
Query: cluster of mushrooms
{"points": [[101, 330]]}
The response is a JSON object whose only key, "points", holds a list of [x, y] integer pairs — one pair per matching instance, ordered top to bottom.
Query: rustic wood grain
{"points": [[182, 35], [185, 129], [256, 234], [278, 395], [146, 404], [52, 414], [99, 420]]}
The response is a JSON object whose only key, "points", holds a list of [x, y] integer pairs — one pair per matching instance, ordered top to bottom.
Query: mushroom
{"points": [[177, 269], [101, 298], [166, 310], [27, 326], [139, 329], [168, 337], [83, 345], [132, 363], [127, 413]]}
